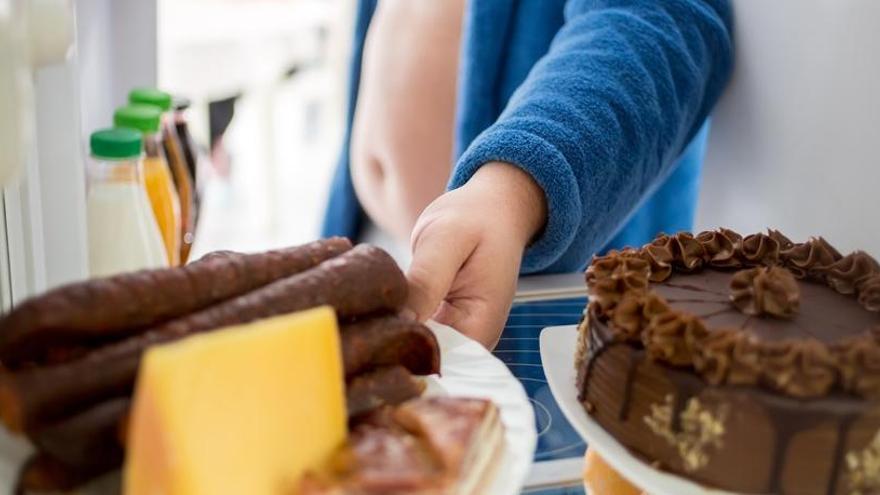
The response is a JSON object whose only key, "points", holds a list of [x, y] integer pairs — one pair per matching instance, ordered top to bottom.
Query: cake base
{"points": [[736, 438]]}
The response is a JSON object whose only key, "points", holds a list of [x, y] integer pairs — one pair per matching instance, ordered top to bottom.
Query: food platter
{"points": [[557, 353], [467, 370]]}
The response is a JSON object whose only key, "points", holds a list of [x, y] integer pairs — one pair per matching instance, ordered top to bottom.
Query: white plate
{"points": [[558, 346], [467, 370]]}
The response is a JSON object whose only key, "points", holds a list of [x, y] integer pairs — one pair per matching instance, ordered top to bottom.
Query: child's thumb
{"points": [[435, 264]]}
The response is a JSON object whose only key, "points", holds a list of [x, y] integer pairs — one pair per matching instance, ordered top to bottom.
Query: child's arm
{"points": [[624, 87]]}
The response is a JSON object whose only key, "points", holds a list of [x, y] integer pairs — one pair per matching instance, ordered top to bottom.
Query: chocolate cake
{"points": [[750, 364]]}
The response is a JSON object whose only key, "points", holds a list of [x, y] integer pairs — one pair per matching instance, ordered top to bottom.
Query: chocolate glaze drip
{"points": [[623, 414], [789, 417], [787, 427], [839, 451]]}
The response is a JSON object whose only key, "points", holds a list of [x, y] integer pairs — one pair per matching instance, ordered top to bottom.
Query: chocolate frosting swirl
{"points": [[784, 242], [721, 248], [760, 249], [681, 251], [688, 251], [660, 256], [809, 259], [850, 272], [612, 275], [772, 291], [869, 293], [634, 312], [672, 337], [729, 356], [859, 362], [800, 368], [806, 368]]}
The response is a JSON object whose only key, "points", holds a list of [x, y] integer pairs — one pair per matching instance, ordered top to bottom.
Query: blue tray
{"points": [[518, 349]]}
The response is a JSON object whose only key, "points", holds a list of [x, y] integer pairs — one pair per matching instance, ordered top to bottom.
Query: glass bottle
{"points": [[174, 153], [157, 175], [122, 231]]}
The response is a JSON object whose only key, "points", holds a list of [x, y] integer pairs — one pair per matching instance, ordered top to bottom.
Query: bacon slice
{"points": [[466, 435], [426, 446]]}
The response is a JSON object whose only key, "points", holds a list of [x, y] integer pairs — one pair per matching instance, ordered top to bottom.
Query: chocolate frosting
{"points": [[784, 242], [721, 248], [760, 249], [688, 252], [659, 256], [809, 259], [851, 271], [614, 274], [772, 291], [869, 293], [672, 337], [729, 356], [795, 364], [859, 364], [800, 368]]}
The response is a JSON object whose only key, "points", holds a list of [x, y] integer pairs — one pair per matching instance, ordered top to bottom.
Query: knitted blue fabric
{"points": [[601, 101]]}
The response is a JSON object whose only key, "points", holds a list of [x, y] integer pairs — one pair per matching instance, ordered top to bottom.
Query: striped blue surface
{"points": [[519, 350], [577, 489]]}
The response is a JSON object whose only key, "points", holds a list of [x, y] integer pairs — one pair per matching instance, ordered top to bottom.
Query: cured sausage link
{"points": [[362, 281], [120, 305]]}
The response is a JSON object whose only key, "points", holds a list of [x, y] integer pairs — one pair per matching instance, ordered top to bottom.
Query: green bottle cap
{"points": [[150, 96], [144, 118], [116, 143]]}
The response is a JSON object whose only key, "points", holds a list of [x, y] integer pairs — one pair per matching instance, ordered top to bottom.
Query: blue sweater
{"points": [[603, 102]]}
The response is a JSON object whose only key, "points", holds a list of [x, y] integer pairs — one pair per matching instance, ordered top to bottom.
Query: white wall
{"points": [[116, 50], [795, 142]]}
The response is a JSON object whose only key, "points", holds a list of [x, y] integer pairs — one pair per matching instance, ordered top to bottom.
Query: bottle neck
{"points": [[153, 145], [120, 171]]}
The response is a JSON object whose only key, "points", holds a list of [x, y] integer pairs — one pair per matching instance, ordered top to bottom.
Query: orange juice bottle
{"points": [[157, 175], [183, 180]]}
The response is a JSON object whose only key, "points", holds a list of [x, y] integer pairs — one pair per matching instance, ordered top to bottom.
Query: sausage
{"points": [[362, 281], [120, 305], [389, 340], [389, 385], [87, 439], [43, 474]]}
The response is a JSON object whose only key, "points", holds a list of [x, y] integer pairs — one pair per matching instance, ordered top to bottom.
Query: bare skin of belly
{"points": [[402, 135]]}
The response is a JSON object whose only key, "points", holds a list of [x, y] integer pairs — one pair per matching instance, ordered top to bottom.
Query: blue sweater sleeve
{"points": [[604, 114]]}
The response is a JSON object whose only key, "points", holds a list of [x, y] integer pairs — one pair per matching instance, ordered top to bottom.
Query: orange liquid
{"points": [[183, 183], [165, 203]]}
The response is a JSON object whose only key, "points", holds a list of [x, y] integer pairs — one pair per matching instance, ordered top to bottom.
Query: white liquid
{"points": [[123, 234]]}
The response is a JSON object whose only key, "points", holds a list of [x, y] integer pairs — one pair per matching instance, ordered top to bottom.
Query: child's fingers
{"points": [[437, 258]]}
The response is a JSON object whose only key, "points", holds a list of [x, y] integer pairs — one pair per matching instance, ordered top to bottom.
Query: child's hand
{"points": [[467, 247]]}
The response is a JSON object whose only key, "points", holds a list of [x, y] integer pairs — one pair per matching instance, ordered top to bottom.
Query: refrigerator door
{"points": [[71, 63]]}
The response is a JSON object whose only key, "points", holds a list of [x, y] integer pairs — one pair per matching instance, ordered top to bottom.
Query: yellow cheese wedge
{"points": [[243, 410]]}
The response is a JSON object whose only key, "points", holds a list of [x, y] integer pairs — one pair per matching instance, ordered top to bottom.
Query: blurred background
{"points": [[268, 81], [792, 144]]}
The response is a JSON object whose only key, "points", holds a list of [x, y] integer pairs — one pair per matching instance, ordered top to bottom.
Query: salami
{"points": [[362, 281], [120, 305], [389, 340], [389, 385], [89, 439], [43, 474]]}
